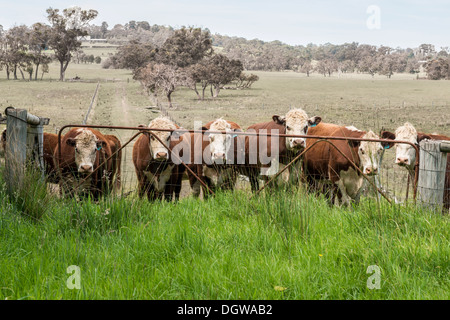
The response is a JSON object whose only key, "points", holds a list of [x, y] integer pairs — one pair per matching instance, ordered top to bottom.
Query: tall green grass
{"points": [[278, 245]]}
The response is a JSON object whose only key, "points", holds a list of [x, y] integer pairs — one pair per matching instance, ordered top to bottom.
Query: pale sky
{"points": [[401, 23]]}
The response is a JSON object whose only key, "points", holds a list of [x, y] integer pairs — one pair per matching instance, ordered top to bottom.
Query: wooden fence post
{"points": [[24, 145], [16, 147], [433, 163]]}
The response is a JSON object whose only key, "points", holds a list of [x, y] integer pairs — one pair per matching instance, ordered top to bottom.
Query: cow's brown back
{"points": [[323, 161]]}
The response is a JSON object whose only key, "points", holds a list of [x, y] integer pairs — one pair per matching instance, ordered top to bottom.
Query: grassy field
{"points": [[281, 245]]}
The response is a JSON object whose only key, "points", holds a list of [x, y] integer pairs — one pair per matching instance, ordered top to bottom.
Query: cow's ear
{"points": [[279, 119], [314, 121], [205, 130], [387, 135], [421, 136], [71, 142], [354, 143]]}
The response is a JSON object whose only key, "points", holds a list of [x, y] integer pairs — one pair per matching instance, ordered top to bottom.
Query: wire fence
{"points": [[246, 165]]}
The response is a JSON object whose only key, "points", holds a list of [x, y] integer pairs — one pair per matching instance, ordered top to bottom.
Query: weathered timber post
{"points": [[35, 141], [24, 145], [16, 147], [432, 170]]}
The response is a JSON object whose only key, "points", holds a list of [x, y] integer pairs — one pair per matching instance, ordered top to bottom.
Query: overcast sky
{"points": [[399, 22]]}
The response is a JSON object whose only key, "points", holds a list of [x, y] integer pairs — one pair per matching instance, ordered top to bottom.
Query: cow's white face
{"points": [[296, 122], [219, 144], [86, 145], [159, 150], [370, 154], [405, 154]]}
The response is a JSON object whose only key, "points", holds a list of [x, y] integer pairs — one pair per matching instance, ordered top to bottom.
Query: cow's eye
{"points": [[288, 128], [306, 129]]}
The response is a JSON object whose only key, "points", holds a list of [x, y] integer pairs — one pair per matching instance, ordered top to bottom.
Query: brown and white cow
{"points": [[3, 142], [50, 143], [83, 151], [262, 151], [405, 154], [212, 156], [116, 159], [323, 163], [157, 174]]}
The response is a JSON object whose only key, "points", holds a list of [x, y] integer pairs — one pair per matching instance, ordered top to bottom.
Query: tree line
{"points": [[25, 49], [29, 50], [185, 59], [324, 59]]}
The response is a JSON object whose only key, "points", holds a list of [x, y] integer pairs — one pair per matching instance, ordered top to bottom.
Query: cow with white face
{"points": [[296, 122], [85, 144], [219, 144], [159, 148], [84, 151], [266, 153], [370, 154], [405, 154], [212, 156], [323, 162], [157, 174]]}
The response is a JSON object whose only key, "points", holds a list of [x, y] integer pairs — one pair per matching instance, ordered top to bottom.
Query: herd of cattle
{"points": [[223, 150]]}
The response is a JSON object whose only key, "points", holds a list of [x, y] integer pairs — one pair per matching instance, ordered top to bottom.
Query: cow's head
{"points": [[296, 122], [219, 144], [86, 145], [160, 151], [369, 153], [405, 154]]}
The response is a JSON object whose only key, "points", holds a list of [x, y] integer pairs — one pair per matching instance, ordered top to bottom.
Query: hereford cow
{"points": [[3, 142], [50, 144], [263, 150], [83, 151], [405, 154], [116, 159], [214, 160], [323, 163], [157, 174]]}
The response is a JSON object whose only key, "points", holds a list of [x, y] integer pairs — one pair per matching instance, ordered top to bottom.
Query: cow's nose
{"points": [[298, 143], [161, 155], [219, 156], [402, 160], [86, 168], [368, 170]]}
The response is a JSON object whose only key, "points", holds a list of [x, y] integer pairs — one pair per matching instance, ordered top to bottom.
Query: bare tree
{"points": [[162, 78]]}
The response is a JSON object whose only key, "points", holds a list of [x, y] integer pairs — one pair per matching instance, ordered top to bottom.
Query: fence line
{"points": [[92, 103], [181, 131]]}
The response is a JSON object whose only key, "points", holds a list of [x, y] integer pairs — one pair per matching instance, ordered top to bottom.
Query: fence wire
{"points": [[392, 181]]}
